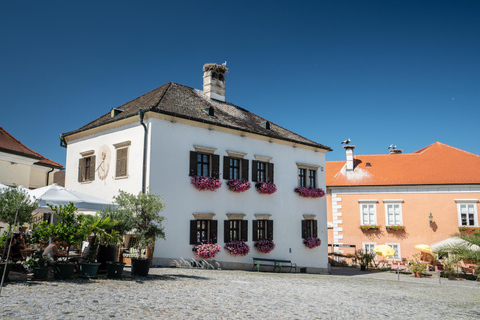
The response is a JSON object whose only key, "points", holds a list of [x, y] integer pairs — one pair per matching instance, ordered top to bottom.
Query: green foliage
{"points": [[13, 199], [145, 209], [123, 221], [68, 224], [42, 231], [102, 231], [464, 252], [364, 258], [416, 264], [450, 265]]}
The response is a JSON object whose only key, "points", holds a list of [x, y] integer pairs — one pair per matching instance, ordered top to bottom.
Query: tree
{"points": [[16, 208], [145, 209], [68, 224], [464, 251]]}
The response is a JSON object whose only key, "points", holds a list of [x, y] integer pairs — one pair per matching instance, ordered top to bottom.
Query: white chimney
{"points": [[214, 81], [349, 152]]}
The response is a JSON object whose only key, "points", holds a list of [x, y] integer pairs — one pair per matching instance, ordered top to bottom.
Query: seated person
{"points": [[17, 245], [52, 250]]}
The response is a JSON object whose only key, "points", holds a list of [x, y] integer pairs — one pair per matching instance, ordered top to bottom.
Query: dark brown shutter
{"points": [[193, 163], [121, 164], [215, 166], [92, 168], [226, 168], [81, 169], [245, 169], [254, 170], [270, 173], [270, 229], [304, 229], [255, 230], [213, 231], [226, 231], [193, 232], [244, 232], [315, 234]]}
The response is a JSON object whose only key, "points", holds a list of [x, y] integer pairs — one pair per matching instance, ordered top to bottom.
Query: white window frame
{"points": [[368, 202], [393, 202], [467, 202], [364, 247], [398, 253]]}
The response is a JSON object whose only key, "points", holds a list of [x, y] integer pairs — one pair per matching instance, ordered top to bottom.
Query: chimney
{"points": [[214, 81], [349, 151], [396, 151]]}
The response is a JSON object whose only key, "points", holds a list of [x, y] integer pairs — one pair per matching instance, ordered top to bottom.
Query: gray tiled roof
{"points": [[188, 103]]}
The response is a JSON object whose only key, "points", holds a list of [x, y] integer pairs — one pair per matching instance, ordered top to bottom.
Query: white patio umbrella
{"points": [[56, 195], [452, 242]]}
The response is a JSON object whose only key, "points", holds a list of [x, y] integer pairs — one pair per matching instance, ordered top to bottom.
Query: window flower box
{"points": [[205, 183], [238, 185], [265, 187], [309, 192], [367, 227], [395, 228], [468, 229], [312, 242], [264, 246], [237, 247], [206, 250]]}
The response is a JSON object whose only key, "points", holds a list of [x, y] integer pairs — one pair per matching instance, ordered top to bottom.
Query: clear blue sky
{"points": [[378, 72]]}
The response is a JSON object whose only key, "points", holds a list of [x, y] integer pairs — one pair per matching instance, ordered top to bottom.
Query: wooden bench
{"points": [[277, 264]]}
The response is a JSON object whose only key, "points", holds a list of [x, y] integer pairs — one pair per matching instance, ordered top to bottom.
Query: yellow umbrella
{"points": [[424, 248], [384, 250]]}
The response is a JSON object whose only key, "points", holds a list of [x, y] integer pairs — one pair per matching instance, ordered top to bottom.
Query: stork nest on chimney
{"points": [[215, 68]]}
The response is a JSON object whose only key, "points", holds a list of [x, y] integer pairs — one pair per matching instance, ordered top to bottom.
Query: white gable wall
{"points": [[170, 156]]}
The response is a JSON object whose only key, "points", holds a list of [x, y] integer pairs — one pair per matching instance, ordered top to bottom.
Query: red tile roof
{"points": [[11, 145], [435, 164]]}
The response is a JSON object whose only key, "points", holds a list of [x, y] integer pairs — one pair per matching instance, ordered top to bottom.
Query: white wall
{"points": [[171, 144], [107, 188]]}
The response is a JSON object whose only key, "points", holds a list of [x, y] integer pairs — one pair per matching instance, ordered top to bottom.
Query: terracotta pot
{"points": [[418, 274]]}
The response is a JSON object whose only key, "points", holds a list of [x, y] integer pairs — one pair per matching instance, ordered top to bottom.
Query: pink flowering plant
{"points": [[205, 183], [238, 185], [265, 187], [310, 192], [395, 228], [468, 229], [312, 242], [264, 246], [237, 247], [207, 250]]}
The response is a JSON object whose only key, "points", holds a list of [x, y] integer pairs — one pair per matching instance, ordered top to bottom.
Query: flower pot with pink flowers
{"points": [[206, 183], [238, 185], [265, 187], [310, 192], [312, 242], [264, 246], [237, 247], [206, 250]]}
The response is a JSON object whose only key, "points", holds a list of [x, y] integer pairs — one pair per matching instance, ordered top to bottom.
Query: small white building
{"points": [[160, 139]]}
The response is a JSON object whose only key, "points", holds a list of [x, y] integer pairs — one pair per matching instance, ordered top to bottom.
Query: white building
{"points": [[187, 131]]}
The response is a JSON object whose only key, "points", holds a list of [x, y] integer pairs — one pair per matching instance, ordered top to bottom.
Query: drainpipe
{"points": [[141, 113], [48, 174]]}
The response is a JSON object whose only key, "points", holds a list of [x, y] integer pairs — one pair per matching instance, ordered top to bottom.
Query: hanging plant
{"points": [[205, 183], [238, 185], [265, 187], [310, 192], [370, 227], [395, 228], [312, 242], [264, 246], [237, 247], [207, 250]]}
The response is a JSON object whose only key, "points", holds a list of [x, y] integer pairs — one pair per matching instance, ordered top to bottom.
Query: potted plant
{"points": [[206, 183], [238, 185], [265, 187], [310, 192], [147, 224], [366, 227], [395, 228], [68, 231], [99, 231], [312, 242], [264, 246], [237, 247], [108, 250], [206, 250], [364, 259], [38, 264], [417, 266], [450, 266]]}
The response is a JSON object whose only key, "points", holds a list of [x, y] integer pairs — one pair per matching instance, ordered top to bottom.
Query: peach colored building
{"points": [[429, 193]]}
